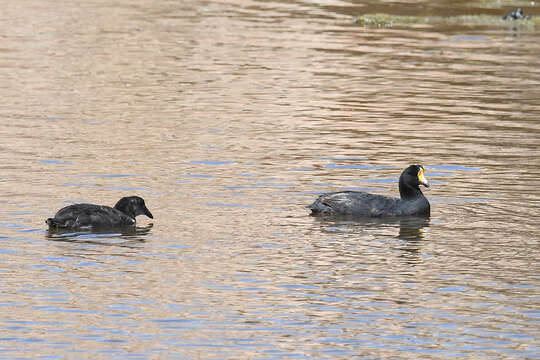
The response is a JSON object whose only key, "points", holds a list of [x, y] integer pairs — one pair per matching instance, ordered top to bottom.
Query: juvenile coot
{"points": [[357, 203], [80, 216]]}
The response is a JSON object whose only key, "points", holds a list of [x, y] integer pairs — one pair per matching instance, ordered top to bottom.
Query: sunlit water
{"points": [[229, 117]]}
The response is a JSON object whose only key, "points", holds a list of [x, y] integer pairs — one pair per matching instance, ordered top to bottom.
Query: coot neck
{"points": [[408, 192], [126, 209]]}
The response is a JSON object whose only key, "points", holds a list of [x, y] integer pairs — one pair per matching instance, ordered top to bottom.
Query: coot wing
{"points": [[355, 203], [89, 215]]}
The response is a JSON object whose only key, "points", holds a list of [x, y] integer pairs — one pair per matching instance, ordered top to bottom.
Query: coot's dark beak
{"points": [[148, 213]]}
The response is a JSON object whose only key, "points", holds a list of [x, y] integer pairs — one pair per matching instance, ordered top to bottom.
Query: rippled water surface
{"points": [[229, 117]]}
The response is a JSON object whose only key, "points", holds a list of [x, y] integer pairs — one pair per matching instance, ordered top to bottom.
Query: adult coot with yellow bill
{"points": [[357, 203]]}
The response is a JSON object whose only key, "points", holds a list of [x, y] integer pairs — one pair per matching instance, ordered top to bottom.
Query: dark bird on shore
{"points": [[357, 203], [90, 216]]}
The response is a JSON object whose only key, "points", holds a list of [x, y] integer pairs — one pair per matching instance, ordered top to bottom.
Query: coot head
{"points": [[410, 180], [133, 206]]}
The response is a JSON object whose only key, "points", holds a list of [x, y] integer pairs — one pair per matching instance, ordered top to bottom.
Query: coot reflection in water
{"points": [[411, 228], [406, 234], [123, 236]]}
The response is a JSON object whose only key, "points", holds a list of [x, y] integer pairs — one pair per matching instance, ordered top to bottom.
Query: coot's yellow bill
{"points": [[421, 177]]}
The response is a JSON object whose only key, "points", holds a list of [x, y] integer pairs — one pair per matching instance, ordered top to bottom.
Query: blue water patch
{"points": [[468, 37], [56, 162], [211, 162], [453, 167], [303, 169], [431, 174], [202, 176], [377, 181], [321, 184], [240, 187], [20, 213], [11, 226], [30, 230], [178, 246], [269, 246], [4, 251], [87, 263], [53, 269], [243, 278], [298, 286], [460, 289], [39, 292], [57, 309], [532, 313], [168, 321], [175, 323], [16, 327], [8, 339], [31, 340], [113, 340], [49, 357]]}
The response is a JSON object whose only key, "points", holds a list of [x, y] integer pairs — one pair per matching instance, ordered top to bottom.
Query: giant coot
{"points": [[516, 15], [358, 203], [84, 216]]}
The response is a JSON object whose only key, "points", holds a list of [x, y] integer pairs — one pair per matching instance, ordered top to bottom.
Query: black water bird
{"points": [[516, 15], [357, 203], [90, 216]]}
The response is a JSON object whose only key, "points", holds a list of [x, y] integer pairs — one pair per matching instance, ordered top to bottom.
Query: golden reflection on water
{"points": [[229, 118]]}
